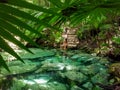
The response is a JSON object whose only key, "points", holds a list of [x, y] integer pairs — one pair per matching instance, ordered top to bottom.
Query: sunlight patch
{"points": [[42, 81]]}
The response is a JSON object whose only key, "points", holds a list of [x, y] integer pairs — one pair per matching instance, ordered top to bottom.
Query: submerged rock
{"points": [[55, 72], [37, 84]]}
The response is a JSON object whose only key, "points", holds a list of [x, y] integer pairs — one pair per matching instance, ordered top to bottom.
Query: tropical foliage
{"points": [[54, 14], [11, 19]]}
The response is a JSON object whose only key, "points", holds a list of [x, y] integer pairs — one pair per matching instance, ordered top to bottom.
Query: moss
{"points": [[114, 69]]}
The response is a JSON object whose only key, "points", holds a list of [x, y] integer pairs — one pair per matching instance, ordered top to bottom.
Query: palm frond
{"points": [[73, 11], [10, 18]]}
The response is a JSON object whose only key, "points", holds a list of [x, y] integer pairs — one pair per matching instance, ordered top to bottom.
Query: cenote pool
{"points": [[54, 70]]}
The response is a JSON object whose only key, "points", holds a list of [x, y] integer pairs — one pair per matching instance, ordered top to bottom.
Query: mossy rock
{"points": [[17, 67], [115, 70]]}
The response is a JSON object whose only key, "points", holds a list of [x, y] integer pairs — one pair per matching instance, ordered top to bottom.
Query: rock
{"points": [[37, 53], [81, 56], [17, 67], [115, 69], [56, 72], [74, 76], [38, 84], [88, 84], [56, 86], [74, 87]]}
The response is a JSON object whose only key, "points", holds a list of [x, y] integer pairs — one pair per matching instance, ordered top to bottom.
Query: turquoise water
{"points": [[55, 70]]}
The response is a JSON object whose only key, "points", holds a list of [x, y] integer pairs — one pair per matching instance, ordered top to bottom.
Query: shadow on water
{"points": [[62, 70]]}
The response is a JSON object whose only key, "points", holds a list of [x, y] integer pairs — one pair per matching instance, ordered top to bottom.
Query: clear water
{"points": [[55, 70]]}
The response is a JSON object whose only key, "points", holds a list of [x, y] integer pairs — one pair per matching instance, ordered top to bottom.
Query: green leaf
{"points": [[57, 3], [24, 4], [22, 14], [17, 22], [12, 29], [8, 36], [116, 40], [8, 49], [3, 63]]}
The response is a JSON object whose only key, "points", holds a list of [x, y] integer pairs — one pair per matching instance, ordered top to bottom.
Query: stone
{"points": [[114, 69]]}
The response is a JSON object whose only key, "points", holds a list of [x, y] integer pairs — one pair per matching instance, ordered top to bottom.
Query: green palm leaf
{"points": [[24, 4], [74, 11], [21, 14], [9, 21], [17, 22], [12, 29], [8, 36], [8, 49], [2, 63]]}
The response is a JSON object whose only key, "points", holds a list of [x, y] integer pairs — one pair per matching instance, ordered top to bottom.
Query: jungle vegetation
{"points": [[97, 20]]}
